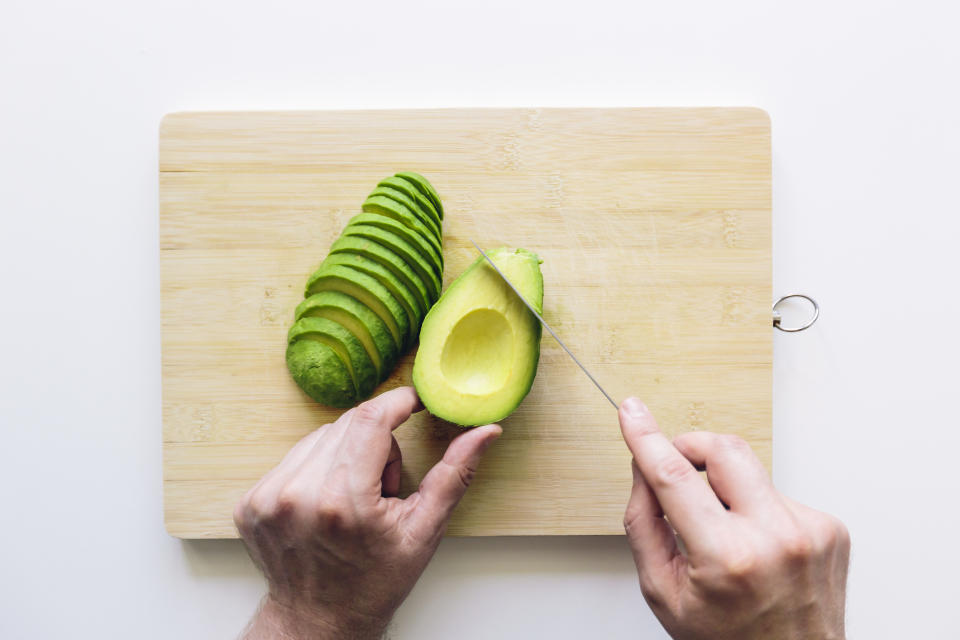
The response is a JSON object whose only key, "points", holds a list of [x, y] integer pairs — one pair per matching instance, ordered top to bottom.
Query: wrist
{"points": [[279, 621]]}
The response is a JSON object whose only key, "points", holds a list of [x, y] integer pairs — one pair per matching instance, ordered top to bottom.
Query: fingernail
{"points": [[635, 408]]}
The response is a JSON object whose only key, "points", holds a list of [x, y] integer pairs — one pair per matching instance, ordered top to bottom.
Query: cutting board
{"points": [[654, 229]]}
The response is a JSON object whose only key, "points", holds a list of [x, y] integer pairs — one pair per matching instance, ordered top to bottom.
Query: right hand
{"points": [[766, 567]]}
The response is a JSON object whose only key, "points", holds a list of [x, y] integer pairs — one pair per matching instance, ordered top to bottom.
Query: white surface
{"points": [[864, 103]]}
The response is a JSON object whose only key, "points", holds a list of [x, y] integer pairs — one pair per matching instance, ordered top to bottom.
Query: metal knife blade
{"points": [[545, 325]]}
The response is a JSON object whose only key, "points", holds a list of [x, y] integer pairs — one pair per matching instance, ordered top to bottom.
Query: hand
{"points": [[340, 552], [766, 567]]}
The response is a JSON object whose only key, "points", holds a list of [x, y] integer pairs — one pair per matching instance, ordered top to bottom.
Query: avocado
{"points": [[425, 188], [410, 190], [401, 198], [393, 209], [370, 240], [424, 248], [391, 261], [383, 275], [368, 291], [364, 305], [359, 320], [345, 344], [479, 344], [321, 373]]}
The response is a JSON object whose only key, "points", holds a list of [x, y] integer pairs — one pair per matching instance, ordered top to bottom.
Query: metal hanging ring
{"points": [[777, 316]]}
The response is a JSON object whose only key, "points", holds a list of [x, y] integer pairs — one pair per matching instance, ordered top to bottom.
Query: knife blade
{"points": [[545, 325]]}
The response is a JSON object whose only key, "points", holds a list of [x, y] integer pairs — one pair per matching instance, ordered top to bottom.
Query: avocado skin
{"points": [[425, 188], [411, 191], [407, 203], [393, 209], [426, 251], [390, 260], [355, 279], [390, 282], [378, 331], [319, 371], [364, 373]]}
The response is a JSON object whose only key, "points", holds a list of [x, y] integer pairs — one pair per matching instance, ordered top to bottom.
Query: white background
{"points": [[864, 102]]}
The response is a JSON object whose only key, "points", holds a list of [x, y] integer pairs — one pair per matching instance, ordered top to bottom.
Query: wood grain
{"points": [[654, 227]]}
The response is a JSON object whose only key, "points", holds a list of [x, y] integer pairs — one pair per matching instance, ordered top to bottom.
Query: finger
{"points": [[367, 441], [734, 472], [390, 481], [444, 485], [692, 508], [651, 539]]}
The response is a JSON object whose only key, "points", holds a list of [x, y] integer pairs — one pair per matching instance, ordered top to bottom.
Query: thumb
{"points": [[447, 482]]}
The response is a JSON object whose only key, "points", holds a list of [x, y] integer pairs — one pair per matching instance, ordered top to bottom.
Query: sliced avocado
{"points": [[425, 188], [410, 190], [402, 198], [393, 209], [424, 248], [403, 250], [396, 264], [383, 275], [368, 291], [359, 320], [480, 345], [348, 347], [321, 373]]}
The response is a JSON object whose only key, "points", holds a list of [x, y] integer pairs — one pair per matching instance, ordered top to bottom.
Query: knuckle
{"points": [[368, 413], [735, 444], [671, 471], [465, 474], [798, 547], [740, 565]]}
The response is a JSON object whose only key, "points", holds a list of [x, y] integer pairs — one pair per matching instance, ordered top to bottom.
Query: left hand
{"points": [[340, 552]]}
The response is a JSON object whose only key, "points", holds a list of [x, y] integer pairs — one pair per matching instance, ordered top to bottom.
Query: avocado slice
{"points": [[425, 188], [410, 190], [400, 197], [393, 209], [424, 248], [403, 249], [396, 264], [383, 275], [368, 291], [360, 321], [345, 344], [480, 345], [321, 373]]}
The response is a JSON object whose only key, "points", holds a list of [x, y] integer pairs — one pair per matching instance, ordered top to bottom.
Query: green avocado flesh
{"points": [[424, 186], [410, 190], [403, 199], [393, 209], [365, 238], [425, 249], [394, 263], [383, 275], [368, 291], [364, 305], [359, 320], [345, 344], [479, 344], [321, 373]]}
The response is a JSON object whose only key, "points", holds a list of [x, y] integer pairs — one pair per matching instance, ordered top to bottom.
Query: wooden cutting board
{"points": [[654, 228]]}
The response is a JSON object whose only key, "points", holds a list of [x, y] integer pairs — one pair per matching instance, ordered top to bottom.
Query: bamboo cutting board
{"points": [[654, 228]]}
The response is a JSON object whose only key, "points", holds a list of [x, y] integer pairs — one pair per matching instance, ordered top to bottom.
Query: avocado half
{"points": [[363, 306], [479, 344]]}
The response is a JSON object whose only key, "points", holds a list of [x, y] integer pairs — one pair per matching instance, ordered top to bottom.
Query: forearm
{"points": [[274, 621]]}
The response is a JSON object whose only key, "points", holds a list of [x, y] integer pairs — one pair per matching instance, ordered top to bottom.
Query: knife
{"points": [[545, 325]]}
